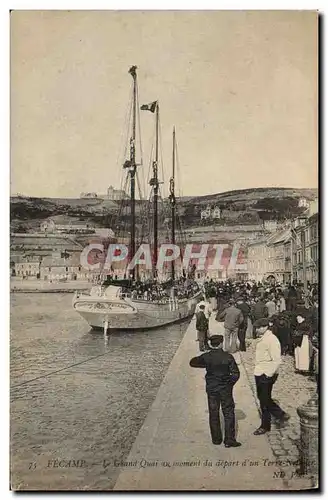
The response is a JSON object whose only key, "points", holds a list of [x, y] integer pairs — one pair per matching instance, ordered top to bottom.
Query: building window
{"points": [[314, 253]]}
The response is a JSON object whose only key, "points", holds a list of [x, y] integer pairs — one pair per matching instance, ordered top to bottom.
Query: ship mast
{"points": [[132, 166], [155, 184], [173, 202]]}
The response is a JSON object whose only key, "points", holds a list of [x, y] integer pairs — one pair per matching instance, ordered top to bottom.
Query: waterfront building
{"points": [[305, 244], [27, 251], [290, 254], [257, 262], [26, 266], [278, 267], [63, 268]]}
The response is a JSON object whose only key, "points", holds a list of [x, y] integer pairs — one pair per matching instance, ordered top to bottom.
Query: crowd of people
{"points": [[292, 311], [283, 318]]}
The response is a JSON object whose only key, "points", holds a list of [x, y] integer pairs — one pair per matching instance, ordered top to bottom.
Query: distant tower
{"points": [[110, 193]]}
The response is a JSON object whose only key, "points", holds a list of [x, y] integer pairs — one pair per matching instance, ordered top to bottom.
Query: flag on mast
{"points": [[149, 107]]}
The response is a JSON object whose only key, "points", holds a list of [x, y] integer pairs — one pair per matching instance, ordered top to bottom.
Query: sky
{"points": [[240, 88]]}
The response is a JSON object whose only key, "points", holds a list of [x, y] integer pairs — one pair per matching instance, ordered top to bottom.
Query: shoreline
{"points": [[46, 287], [57, 290]]}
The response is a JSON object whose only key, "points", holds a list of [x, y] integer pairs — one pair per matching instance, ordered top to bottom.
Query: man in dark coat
{"points": [[291, 301], [245, 309], [259, 310], [314, 316], [201, 327], [281, 328], [222, 373]]}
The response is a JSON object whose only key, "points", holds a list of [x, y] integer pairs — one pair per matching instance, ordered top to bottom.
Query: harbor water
{"points": [[78, 399]]}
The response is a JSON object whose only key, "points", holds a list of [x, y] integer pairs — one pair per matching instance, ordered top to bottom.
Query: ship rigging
{"points": [[143, 301]]}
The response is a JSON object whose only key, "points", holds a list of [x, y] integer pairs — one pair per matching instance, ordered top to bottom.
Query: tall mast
{"points": [[131, 165], [155, 183], [173, 201]]}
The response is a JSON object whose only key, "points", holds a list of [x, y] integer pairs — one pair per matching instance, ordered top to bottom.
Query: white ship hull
{"points": [[128, 314]]}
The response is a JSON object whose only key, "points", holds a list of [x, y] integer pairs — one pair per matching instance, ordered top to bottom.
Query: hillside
{"points": [[251, 196], [247, 206]]}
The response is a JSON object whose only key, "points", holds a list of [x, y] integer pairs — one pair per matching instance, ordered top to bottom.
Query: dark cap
{"points": [[261, 322], [216, 340]]}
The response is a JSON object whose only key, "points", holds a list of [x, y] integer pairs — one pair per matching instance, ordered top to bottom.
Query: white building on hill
{"points": [[116, 194], [303, 203], [210, 213]]}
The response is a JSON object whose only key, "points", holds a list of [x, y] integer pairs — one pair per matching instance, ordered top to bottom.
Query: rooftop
{"points": [[280, 237], [42, 241], [20, 259], [73, 261]]}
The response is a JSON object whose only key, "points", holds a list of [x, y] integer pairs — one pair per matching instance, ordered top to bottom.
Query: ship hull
{"points": [[134, 315]]}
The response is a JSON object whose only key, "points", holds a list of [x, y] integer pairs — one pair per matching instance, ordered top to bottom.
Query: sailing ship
{"points": [[117, 306]]}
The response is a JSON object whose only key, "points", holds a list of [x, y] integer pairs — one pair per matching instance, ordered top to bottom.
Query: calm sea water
{"points": [[74, 397]]}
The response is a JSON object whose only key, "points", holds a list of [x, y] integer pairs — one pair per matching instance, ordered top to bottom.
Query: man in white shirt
{"points": [[207, 308], [267, 361]]}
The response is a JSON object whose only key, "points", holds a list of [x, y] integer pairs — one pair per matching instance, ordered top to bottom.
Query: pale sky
{"points": [[240, 87]]}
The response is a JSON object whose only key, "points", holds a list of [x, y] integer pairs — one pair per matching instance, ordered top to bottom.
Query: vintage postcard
{"points": [[164, 251]]}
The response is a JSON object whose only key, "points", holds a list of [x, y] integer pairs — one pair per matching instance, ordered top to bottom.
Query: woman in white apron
{"points": [[302, 344]]}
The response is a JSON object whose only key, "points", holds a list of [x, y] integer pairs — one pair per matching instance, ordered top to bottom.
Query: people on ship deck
{"points": [[162, 292]]}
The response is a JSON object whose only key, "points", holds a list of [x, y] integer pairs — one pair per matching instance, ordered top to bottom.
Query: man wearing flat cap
{"points": [[233, 318], [267, 361], [222, 373]]}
